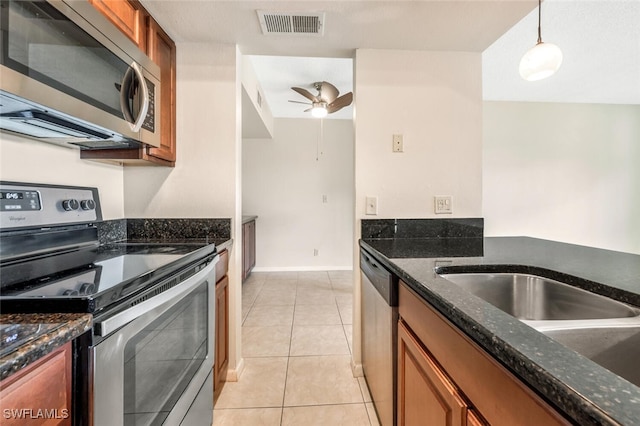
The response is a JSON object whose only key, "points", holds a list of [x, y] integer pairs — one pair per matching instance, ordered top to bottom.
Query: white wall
{"points": [[435, 100], [27, 160], [565, 172], [206, 181], [201, 184], [284, 184]]}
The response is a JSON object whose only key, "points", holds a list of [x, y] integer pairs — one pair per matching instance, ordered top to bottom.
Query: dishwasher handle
{"points": [[385, 282]]}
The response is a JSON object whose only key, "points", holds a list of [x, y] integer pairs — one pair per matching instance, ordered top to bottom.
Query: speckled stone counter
{"points": [[164, 229], [27, 337], [587, 393]]}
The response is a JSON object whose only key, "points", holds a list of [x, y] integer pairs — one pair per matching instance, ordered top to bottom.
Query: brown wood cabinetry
{"points": [[128, 16], [135, 22], [162, 50], [248, 248], [221, 363], [464, 374], [40, 393], [425, 393]]}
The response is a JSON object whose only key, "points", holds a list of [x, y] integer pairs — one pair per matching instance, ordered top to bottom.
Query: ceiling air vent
{"points": [[291, 23]]}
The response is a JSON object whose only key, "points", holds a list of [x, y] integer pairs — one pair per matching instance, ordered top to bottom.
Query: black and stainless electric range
{"points": [[149, 358]]}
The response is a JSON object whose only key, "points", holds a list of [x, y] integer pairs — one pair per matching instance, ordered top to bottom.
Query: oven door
{"points": [[150, 370]]}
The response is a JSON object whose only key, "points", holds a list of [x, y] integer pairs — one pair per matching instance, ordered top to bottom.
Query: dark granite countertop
{"points": [[28, 337], [586, 392]]}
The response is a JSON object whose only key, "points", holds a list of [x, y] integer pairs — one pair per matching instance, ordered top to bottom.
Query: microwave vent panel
{"points": [[291, 23]]}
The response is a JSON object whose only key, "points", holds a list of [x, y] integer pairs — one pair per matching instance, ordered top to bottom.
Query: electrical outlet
{"points": [[398, 143], [324, 199], [443, 204], [371, 205], [315, 252]]}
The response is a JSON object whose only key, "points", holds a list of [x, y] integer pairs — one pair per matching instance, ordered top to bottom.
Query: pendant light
{"points": [[542, 60]]}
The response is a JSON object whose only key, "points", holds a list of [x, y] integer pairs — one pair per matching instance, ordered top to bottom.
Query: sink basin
{"points": [[534, 298], [615, 348]]}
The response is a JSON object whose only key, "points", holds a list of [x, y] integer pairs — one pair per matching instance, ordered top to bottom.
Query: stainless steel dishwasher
{"points": [[379, 306]]}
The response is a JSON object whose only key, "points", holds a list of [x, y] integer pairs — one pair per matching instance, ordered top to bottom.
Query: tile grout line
{"points": [[286, 374]]}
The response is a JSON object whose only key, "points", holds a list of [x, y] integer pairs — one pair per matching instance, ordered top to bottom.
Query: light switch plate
{"points": [[398, 143], [443, 204], [371, 205]]}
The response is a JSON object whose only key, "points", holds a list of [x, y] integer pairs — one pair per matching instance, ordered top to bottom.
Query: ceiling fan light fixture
{"points": [[543, 59], [319, 110]]}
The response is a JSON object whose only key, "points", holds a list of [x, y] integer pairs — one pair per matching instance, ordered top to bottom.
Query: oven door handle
{"points": [[111, 324]]}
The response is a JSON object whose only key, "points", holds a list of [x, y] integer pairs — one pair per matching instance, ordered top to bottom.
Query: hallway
{"points": [[296, 342]]}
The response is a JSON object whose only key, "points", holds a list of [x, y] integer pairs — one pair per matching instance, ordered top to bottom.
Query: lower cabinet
{"points": [[248, 248], [221, 362], [444, 378], [40, 393], [425, 393]]}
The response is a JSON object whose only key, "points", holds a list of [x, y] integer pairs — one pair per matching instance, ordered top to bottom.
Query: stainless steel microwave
{"points": [[69, 76]]}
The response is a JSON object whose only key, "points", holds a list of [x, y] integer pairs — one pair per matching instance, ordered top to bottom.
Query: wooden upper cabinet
{"points": [[128, 16], [162, 50]]}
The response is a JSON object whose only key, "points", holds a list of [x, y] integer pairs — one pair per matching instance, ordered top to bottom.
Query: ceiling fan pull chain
{"points": [[319, 140]]}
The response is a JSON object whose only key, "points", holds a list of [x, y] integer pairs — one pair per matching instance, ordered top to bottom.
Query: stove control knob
{"points": [[87, 204], [69, 205], [87, 288], [70, 293]]}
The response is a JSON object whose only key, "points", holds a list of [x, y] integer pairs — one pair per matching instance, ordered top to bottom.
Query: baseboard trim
{"points": [[301, 268], [356, 370], [233, 375]]}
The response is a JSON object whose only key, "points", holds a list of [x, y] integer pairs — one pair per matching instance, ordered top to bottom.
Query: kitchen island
{"points": [[580, 389]]}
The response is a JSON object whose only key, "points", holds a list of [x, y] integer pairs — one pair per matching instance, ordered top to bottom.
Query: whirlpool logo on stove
{"points": [[17, 218]]}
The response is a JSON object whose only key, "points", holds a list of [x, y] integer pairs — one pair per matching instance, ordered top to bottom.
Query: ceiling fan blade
{"points": [[328, 92], [305, 93], [298, 102], [341, 102]]}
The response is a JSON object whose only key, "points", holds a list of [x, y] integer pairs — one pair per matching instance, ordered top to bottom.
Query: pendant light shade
{"points": [[543, 59]]}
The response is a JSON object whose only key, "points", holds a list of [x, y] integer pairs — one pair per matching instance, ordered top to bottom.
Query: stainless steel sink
{"points": [[535, 298], [597, 327], [616, 348]]}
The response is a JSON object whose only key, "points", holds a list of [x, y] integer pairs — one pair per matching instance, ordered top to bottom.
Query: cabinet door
{"points": [[128, 16], [162, 50], [252, 244], [248, 248], [222, 335], [44, 385], [426, 396], [474, 419]]}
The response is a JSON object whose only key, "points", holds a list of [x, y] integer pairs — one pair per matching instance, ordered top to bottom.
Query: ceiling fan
{"points": [[326, 101]]}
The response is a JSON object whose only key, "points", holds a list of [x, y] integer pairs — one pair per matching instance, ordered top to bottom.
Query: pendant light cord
{"points": [[539, 19]]}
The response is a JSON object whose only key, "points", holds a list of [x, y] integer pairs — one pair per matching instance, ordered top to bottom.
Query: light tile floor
{"points": [[296, 343]]}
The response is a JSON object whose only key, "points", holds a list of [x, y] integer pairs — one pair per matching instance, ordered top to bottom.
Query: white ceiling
{"points": [[600, 40]]}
